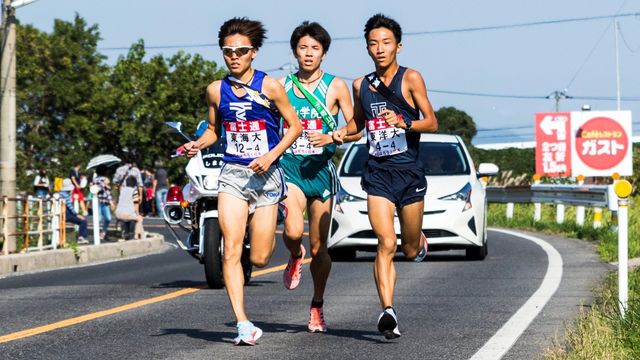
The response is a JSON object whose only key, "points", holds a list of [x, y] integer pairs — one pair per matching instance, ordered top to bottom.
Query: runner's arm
{"points": [[418, 91], [275, 92], [346, 106], [356, 123], [212, 133]]}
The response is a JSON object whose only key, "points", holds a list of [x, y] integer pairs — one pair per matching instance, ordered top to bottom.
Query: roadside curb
{"points": [[48, 260]]}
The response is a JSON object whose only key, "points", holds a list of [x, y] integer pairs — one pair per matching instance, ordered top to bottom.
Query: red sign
{"points": [[601, 143], [553, 144]]}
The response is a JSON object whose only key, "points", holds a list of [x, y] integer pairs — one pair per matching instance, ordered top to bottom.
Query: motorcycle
{"points": [[194, 210]]}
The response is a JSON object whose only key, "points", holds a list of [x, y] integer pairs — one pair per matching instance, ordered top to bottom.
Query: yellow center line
{"points": [[96, 315]]}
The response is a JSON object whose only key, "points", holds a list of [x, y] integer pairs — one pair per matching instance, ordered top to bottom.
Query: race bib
{"points": [[247, 139], [384, 139], [302, 146]]}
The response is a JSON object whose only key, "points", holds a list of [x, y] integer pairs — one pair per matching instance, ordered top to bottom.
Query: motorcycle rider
{"points": [[249, 104]]}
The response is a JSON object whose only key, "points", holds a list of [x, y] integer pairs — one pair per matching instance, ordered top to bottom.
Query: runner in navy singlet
{"points": [[248, 104], [393, 176]]}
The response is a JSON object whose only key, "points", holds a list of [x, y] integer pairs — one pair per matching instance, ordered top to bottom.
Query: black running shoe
{"points": [[388, 324]]}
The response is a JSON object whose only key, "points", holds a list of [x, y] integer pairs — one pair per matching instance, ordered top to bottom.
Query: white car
{"points": [[455, 202]]}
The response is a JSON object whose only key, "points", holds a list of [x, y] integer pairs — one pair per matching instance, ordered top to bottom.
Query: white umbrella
{"points": [[106, 160]]}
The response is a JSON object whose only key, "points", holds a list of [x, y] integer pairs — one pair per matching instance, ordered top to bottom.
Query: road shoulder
{"points": [[82, 255]]}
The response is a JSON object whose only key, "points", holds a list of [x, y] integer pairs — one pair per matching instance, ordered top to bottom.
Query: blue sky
{"points": [[528, 61]]}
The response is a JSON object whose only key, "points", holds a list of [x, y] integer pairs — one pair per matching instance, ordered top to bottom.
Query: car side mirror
{"points": [[487, 169]]}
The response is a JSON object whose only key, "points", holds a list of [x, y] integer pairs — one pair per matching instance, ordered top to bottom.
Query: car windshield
{"points": [[212, 156], [437, 158]]}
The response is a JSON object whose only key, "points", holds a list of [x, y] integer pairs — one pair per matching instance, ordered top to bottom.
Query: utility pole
{"points": [[616, 28], [557, 96], [8, 113]]}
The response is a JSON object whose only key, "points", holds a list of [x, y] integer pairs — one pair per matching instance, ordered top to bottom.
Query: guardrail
{"points": [[578, 195], [596, 196], [614, 197], [39, 223]]}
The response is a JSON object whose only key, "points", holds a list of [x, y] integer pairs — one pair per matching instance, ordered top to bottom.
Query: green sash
{"points": [[320, 107]]}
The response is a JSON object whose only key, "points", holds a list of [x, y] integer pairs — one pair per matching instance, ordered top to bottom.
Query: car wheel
{"points": [[478, 252], [342, 254]]}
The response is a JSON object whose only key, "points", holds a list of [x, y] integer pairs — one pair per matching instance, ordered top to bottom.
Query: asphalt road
{"points": [[448, 307]]}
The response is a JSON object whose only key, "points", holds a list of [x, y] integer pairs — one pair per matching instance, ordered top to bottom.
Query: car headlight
{"points": [[210, 182], [463, 194], [342, 197]]}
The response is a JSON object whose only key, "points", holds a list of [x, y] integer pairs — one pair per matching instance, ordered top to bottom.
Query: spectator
{"points": [[126, 170], [76, 180], [41, 184], [160, 188], [147, 199], [105, 201], [128, 208], [71, 214]]}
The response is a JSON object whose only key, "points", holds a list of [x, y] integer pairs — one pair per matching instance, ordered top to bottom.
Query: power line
{"points": [[415, 33], [624, 40], [593, 49], [529, 97], [506, 128], [515, 128]]}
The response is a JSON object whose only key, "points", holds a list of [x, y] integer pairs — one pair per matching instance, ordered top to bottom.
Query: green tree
{"points": [[59, 76], [144, 95], [72, 106], [458, 122]]}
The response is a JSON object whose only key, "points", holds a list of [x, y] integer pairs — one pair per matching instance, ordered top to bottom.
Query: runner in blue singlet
{"points": [[248, 105], [393, 176]]}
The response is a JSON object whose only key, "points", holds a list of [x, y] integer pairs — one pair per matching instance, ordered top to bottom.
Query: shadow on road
{"points": [[432, 257], [181, 284], [206, 335], [370, 336], [227, 337]]}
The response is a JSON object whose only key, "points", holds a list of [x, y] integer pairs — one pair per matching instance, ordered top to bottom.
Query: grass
{"points": [[607, 240], [599, 332]]}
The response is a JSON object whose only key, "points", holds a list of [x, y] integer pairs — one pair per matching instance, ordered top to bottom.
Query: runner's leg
{"points": [[233, 212], [381, 212], [319, 220], [294, 223], [410, 228], [262, 230]]}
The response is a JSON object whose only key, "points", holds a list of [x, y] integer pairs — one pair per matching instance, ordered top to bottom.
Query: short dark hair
{"points": [[383, 21], [252, 29], [313, 29], [131, 181]]}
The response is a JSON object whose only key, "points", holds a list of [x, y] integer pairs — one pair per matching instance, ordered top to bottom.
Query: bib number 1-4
{"points": [[247, 139], [384, 139], [302, 145]]}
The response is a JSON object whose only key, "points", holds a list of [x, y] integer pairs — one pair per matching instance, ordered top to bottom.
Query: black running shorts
{"points": [[400, 186]]}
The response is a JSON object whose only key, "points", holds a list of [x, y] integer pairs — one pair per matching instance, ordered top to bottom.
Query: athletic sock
{"points": [[316, 304]]}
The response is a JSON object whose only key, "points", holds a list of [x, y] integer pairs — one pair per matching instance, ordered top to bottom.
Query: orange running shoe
{"points": [[293, 272], [316, 321]]}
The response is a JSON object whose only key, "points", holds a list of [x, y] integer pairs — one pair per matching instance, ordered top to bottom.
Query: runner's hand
{"points": [[391, 118], [339, 135], [320, 140], [191, 149], [261, 164]]}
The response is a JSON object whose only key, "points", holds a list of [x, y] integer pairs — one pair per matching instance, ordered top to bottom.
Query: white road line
{"points": [[504, 339]]}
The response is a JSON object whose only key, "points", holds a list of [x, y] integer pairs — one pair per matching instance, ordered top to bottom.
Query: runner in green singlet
{"points": [[309, 171]]}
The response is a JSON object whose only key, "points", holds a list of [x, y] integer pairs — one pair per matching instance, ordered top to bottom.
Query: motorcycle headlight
{"points": [[210, 182], [463, 194], [343, 196]]}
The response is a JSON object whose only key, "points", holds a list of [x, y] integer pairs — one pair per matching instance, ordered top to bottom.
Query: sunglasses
{"points": [[238, 50]]}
